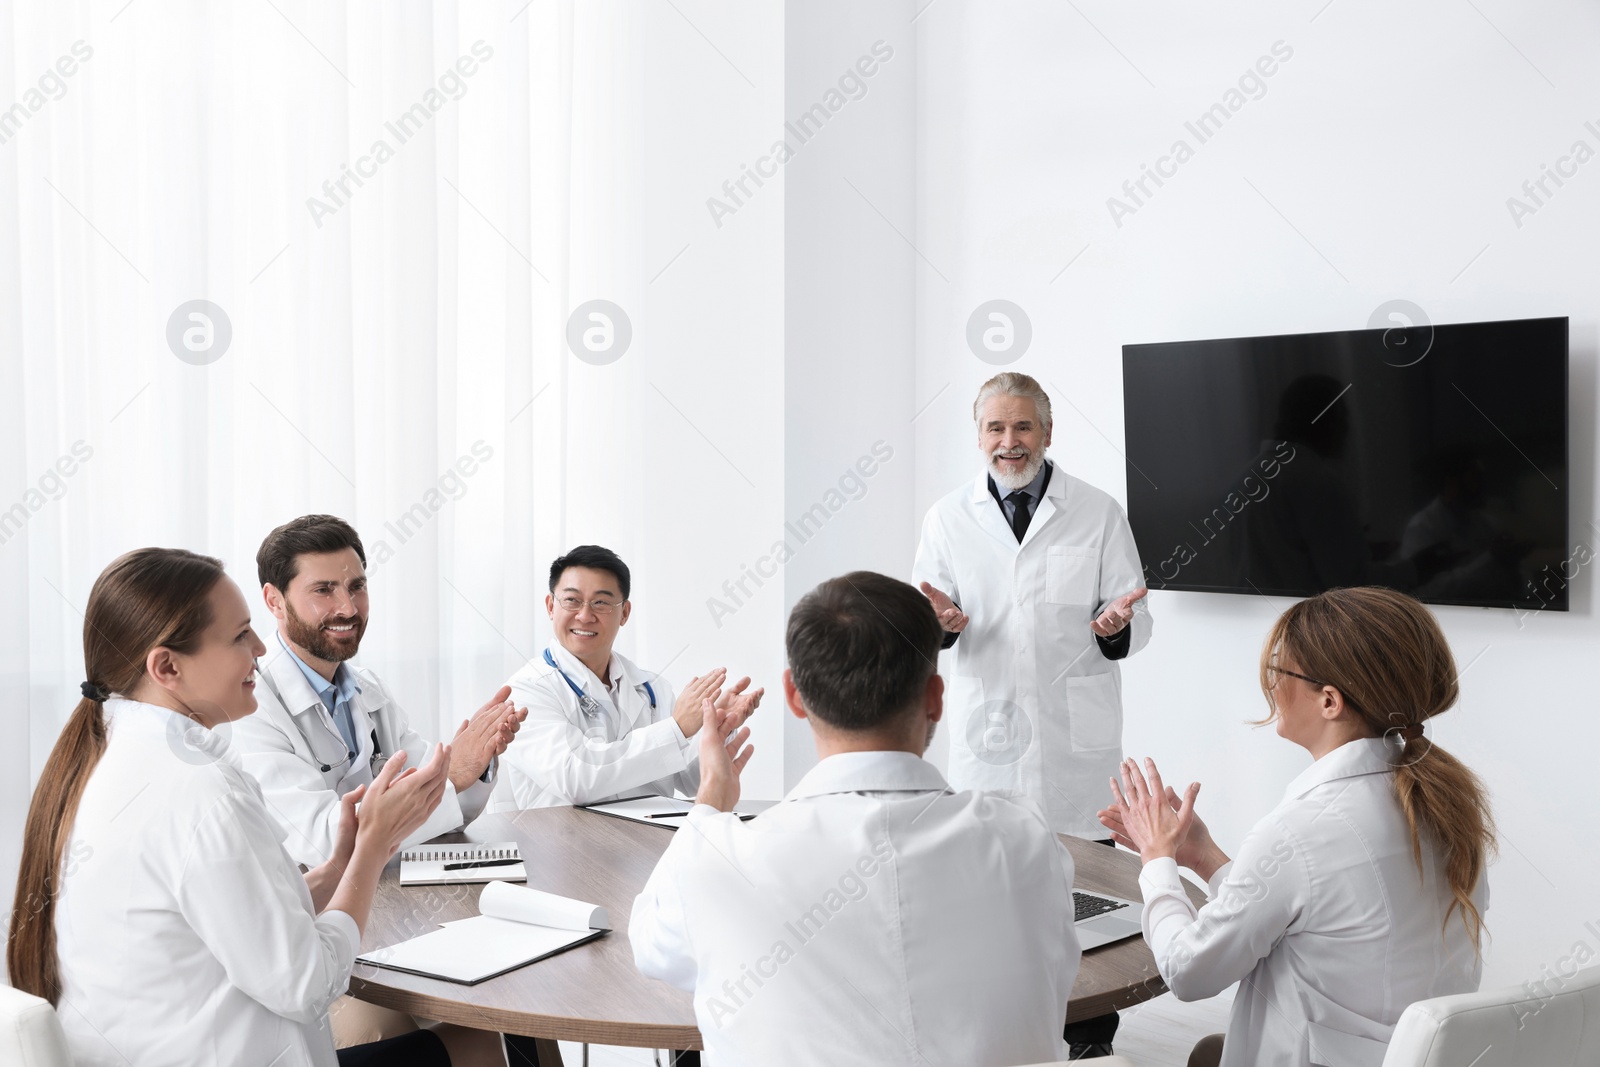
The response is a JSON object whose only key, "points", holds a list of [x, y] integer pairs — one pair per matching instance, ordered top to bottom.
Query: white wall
{"points": [[1390, 141], [712, 441]]}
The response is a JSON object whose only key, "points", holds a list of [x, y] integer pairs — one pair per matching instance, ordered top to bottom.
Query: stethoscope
{"points": [[587, 704], [378, 758]]}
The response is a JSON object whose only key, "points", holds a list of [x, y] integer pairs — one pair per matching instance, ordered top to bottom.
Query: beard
{"points": [[1020, 480], [313, 638]]}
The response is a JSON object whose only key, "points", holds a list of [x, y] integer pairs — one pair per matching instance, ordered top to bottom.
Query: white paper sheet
{"points": [[654, 811], [525, 905], [517, 926], [471, 950]]}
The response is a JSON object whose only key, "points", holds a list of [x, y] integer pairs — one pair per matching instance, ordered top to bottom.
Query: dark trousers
{"points": [[1097, 1031], [419, 1048]]}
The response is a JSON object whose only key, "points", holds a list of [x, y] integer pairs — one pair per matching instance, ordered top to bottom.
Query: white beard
{"points": [[1023, 478]]}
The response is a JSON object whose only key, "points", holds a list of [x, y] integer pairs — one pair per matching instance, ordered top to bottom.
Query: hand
{"points": [[1118, 614], [952, 618], [735, 701], [687, 708], [510, 723], [502, 731], [483, 737], [721, 757], [399, 801], [1145, 818], [345, 843], [1197, 851], [323, 880]]}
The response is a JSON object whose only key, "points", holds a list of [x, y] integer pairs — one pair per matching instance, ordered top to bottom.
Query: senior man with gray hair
{"points": [[1037, 583]]}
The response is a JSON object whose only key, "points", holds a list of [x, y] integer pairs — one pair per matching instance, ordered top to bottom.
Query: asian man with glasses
{"points": [[598, 727]]}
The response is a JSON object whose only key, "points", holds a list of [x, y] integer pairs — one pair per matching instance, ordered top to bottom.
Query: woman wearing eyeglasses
{"points": [[1364, 890]]}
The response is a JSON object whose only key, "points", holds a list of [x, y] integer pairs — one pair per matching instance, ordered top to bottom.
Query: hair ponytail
{"points": [[149, 598], [1388, 658], [1441, 795], [30, 945]]}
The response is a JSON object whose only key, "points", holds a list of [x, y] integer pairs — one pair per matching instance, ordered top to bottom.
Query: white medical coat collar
{"points": [[1055, 490], [993, 518], [624, 675], [346, 682], [298, 696], [135, 716], [1366, 755], [870, 772]]}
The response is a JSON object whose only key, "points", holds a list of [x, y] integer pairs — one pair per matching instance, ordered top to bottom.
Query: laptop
{"points": [[1101, 919]]}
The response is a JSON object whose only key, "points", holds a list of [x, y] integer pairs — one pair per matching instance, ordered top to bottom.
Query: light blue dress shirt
{"points": [[337, 695]]}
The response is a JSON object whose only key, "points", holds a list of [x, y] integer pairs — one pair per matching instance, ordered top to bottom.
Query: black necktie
{"points": [[1019, 513]]}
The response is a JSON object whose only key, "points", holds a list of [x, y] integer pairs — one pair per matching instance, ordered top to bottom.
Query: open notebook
{"points": [[668, 812], [465, 862], [517, 926]]}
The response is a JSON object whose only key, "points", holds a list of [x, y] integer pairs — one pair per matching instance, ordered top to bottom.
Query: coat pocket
{"points": [[1071, 575], [1094, 711], [1337, 1048]]}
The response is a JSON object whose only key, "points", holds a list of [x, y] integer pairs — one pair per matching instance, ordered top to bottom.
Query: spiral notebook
{"points": [[468, 862]]}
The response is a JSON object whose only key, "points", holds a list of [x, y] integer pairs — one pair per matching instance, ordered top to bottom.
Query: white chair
{"points": [[1558, 1026], [30, 1033]]}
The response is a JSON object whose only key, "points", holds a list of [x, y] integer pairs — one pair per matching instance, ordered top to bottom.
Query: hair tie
{"points": [[97, 693], [1403, 734]]}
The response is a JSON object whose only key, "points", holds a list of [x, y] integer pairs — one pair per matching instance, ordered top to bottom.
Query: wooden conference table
{"points": [[593, 993]]}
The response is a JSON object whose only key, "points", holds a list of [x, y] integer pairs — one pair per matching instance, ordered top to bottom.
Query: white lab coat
{"points": [[1034, 706], [285, 744], [560, 756], [872, 917], [1324, 917], [184, 930]]}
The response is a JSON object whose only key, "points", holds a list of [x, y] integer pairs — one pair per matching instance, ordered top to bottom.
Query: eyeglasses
{"points": [[575, 605], [1273, 683]]}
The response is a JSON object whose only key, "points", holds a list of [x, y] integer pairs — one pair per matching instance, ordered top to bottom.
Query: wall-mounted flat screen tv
{"points": [[1430, 459]]}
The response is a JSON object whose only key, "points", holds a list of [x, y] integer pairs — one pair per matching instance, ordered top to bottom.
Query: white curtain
{"points": [[398, 352]]}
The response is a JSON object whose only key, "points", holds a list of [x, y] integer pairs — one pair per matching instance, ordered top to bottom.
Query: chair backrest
{"points": [[1554, 1022], [30, 1033]]}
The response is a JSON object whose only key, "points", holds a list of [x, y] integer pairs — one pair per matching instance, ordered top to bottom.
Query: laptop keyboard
{"points": [[1087, 906]]}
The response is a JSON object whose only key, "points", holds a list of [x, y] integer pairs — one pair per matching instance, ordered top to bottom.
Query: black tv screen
{"points": [[1430, 459]]}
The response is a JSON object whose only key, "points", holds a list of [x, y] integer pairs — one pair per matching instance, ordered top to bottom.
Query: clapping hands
{"points": [[689, 709], [484, 736], [723, 754], [1151, 818]]}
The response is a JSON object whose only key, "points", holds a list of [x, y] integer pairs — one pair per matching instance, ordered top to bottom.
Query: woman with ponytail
{"points": [[1364, 890], [155, 905]]}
